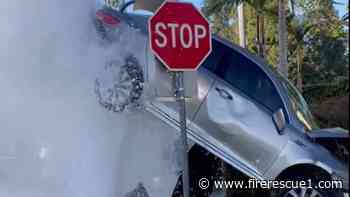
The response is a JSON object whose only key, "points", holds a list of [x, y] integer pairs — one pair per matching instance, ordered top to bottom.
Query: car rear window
{"points": [[215, 56], [250, 79]]}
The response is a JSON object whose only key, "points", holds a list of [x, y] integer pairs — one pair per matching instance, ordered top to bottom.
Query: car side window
{"points": [[218, 51], [250, 79]]}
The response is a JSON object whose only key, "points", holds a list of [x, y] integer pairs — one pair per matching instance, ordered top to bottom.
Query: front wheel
{"points": [[307, 192]]}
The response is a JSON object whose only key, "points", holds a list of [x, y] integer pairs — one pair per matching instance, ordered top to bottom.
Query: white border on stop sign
{"points": [[159, 58]]}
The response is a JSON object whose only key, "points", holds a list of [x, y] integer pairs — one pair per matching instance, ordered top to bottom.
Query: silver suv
{"points": [[239, 109]]}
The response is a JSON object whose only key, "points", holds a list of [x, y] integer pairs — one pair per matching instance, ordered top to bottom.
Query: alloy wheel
{"points": [[303, 192]]}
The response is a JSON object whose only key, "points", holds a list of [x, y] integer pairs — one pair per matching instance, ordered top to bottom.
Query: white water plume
{"points": [[55, 138]]}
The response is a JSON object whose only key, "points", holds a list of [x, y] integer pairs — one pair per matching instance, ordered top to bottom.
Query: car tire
{"points": [[121, 86], [202, 164], [304, 192]]}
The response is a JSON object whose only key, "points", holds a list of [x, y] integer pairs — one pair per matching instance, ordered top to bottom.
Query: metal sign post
{"points": [[180, 38], [181, 100]]}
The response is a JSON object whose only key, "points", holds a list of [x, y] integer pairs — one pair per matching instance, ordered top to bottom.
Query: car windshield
{"points": [[299, 105]]}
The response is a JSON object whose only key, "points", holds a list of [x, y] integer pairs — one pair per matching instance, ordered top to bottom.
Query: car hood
{"points": [[335, 133], [335, 140]]}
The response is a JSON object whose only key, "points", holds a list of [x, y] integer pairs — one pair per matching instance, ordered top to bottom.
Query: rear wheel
{"points": [[120, 87], [202, 164]]}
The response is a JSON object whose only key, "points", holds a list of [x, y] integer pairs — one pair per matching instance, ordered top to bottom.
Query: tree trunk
{"points": [[241, 26], [260, 31], [262, 35], [283, 38], [300, 69]]}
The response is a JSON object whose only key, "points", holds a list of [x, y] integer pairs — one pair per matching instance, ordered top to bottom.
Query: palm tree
{"points": [[217, 5], [259, 6], [299, 30]]}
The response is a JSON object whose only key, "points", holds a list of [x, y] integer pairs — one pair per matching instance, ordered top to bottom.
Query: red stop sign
{"points": [[180, 36]]}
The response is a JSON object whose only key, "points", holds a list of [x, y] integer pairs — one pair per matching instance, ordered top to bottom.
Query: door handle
{"points": [[224, 93]]}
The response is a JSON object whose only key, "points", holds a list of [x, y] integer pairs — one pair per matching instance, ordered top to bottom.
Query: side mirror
{"points": [[280, 121]]}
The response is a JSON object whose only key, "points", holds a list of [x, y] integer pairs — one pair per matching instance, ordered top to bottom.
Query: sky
{"points": [[197, 2], [342, 7]]}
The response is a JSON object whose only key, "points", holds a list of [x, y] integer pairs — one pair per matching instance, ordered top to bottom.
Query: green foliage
{"points": [[215, 6], [223, 16], [321, 36]]}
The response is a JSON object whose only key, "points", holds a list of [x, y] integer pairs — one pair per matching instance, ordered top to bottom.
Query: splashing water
{"points": [[55, 138]]}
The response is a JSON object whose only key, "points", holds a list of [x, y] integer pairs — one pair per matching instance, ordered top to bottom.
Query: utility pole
{"points": [[241, 25], [283, 40]]}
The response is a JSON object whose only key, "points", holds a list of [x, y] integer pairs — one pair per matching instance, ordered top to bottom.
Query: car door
{"points": [[203, 80], [237, 114]]}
